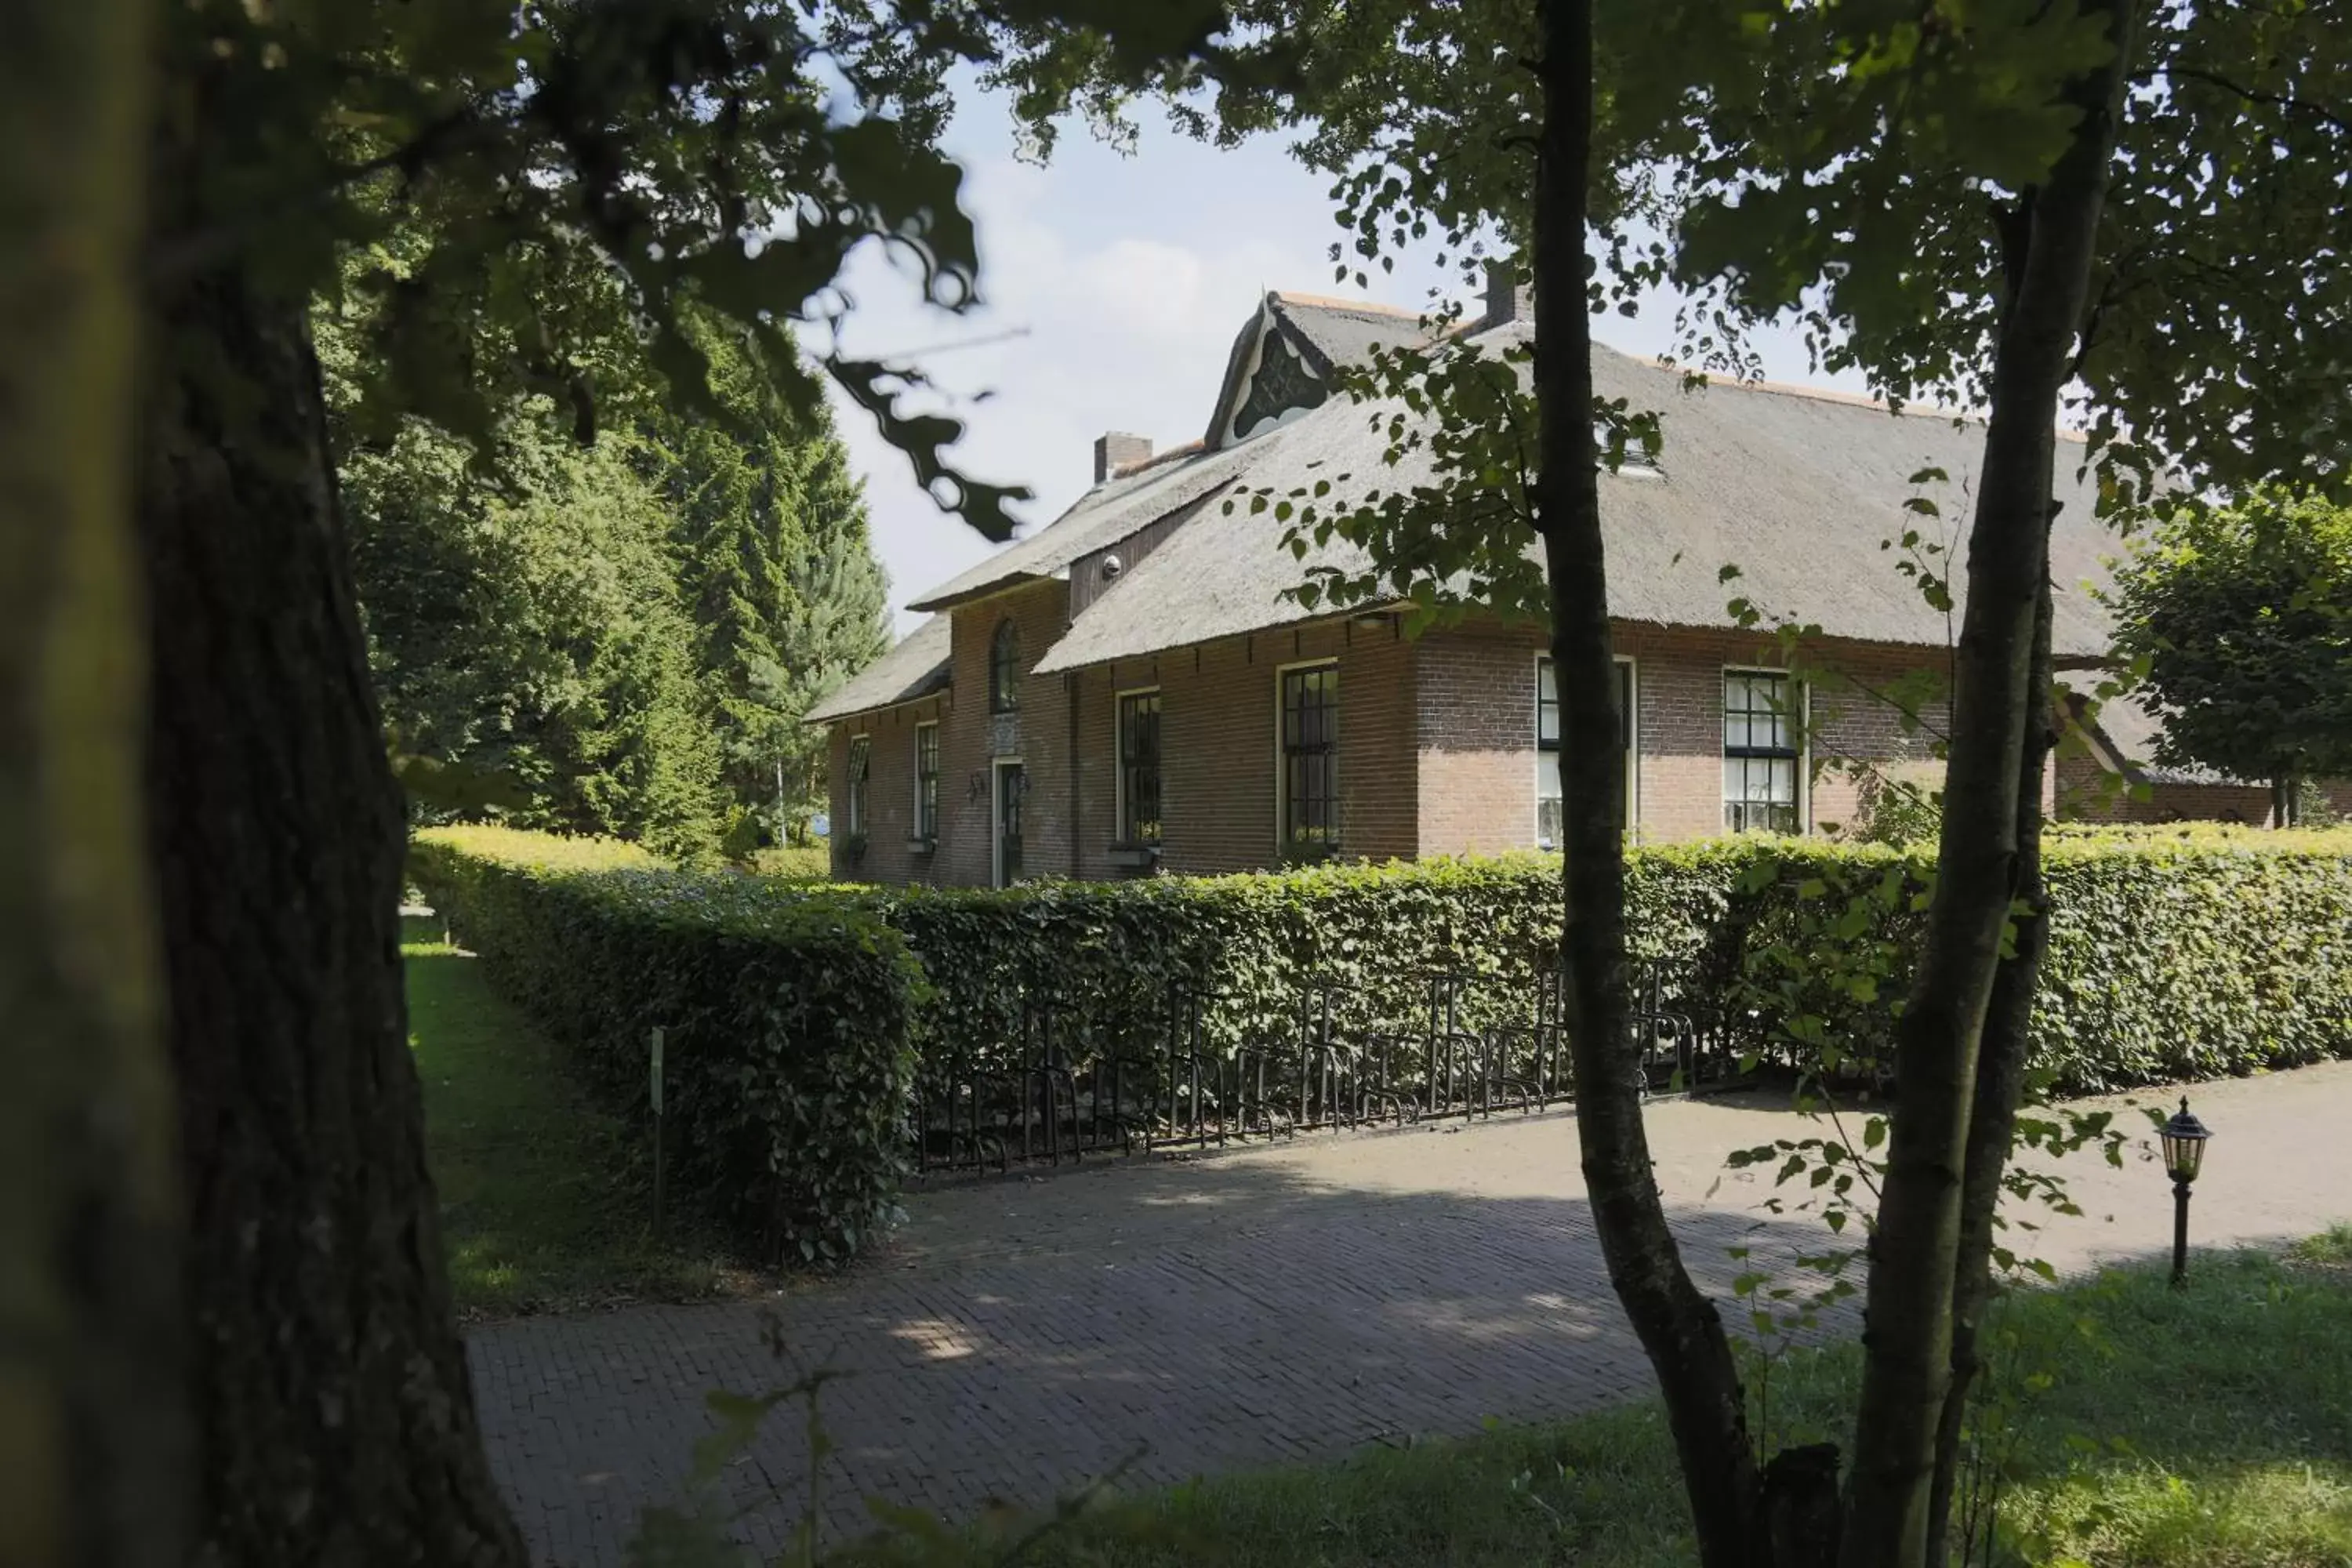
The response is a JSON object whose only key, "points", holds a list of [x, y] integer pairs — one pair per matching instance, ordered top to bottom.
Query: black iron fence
{"points": [[1062, 1085]]}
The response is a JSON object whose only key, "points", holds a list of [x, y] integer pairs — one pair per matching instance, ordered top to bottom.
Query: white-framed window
{"points": [[1306, 752], [1763, 752], [861, 756], [1138, 766], [926, 779], [1548, 792]]}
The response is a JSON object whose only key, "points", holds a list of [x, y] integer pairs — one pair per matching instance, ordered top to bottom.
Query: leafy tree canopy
{"points": [[715, 153], [1862, 171], [2242, 618], [618, 637]]}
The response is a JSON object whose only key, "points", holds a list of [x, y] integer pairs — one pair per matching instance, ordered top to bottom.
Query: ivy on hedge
{"points": [[2174, 953], [789, 1020]]}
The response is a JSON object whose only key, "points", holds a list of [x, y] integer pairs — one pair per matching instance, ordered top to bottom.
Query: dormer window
{"points": [[1637, 463], [1005, 670]]}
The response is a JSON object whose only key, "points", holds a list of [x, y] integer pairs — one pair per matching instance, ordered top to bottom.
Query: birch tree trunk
{"points": [[1981, 867], [1999, 1084], [1678, 1327], [93, 1436]]}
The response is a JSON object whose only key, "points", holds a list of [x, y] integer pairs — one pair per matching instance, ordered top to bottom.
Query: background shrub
{"points": [[788, 1019]]}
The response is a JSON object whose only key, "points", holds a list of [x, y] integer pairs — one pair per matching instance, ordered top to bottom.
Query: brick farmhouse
{"points": [[1130, 689]]}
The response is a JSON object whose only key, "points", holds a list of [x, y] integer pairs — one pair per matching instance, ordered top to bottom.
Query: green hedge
{"points": [[1258, 947], [2174, 953], [787, 1020]]}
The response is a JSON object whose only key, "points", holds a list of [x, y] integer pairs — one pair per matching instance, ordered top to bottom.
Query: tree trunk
{"points": [[2001, 1083], [1678, 1327], [1907, 1341], [332, 1391], [93, 1436]]}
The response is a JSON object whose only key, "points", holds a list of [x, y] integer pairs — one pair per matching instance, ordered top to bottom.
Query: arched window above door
{"points": [[1005, 670]]}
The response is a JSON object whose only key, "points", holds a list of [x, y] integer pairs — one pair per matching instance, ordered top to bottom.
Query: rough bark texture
{"points": [[2000, 1082], [1678, 1327], [1907, 1341], [331, 1386], [93, 1453]]}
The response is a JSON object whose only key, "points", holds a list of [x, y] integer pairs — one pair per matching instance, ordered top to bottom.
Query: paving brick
{"points": [[1258, 1308]]}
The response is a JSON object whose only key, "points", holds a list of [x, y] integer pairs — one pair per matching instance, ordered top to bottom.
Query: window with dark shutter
{"points": [[1005, 670], [860, 754], [1310, 760], [1139, 767], [927, 781]]}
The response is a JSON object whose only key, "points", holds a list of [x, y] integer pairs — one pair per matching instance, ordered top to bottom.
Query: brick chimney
{"points": [[1507, 299], [1116, 449]]}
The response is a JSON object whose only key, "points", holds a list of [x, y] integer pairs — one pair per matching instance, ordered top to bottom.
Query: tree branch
{"points": [[2289, 102], [177, 257]]}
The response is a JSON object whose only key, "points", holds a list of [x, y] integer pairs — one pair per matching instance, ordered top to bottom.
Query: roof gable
{"points": [[1307, 339], [1284, 359]]}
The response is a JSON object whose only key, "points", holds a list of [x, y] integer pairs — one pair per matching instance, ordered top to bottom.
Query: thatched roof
{"points": [[1798, 490], [1803, 490], [1103, 516], [915, 668]]}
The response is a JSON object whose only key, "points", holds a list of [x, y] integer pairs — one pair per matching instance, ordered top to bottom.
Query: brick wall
{"points": [[1477, 730], [1476, 738], [1039, 739], [1436, 745], [1218, 746], [1437, 749], [889, 792]]}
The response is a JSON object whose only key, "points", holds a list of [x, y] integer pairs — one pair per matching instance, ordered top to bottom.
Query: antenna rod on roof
{"points": [[985, 341]]}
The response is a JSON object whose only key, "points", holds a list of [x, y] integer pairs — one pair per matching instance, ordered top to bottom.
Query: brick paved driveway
{"points": [[1248, 1309]]}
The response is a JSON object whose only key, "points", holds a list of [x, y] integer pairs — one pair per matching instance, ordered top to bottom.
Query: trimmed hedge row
{"points": [[2174, 953], [788, 1019]]}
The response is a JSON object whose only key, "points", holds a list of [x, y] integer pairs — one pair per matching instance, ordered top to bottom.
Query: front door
{"points": [[1009, 784]]}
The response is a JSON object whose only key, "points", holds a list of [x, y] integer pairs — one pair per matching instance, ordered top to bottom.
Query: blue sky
{"points": [[1126, 277]]}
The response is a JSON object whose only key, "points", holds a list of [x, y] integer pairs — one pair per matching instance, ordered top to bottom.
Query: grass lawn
{"points": [[795, 862], [544, 1205], [2209, 1428]]}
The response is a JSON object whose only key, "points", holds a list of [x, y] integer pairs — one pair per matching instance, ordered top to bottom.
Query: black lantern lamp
{"points": [[2184, 1139]]}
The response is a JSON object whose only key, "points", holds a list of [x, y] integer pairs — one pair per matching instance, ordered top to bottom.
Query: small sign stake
{"points": [[654, 1043]]}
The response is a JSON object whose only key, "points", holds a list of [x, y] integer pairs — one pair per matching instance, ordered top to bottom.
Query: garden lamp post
{"points": [[2183, 1138]]}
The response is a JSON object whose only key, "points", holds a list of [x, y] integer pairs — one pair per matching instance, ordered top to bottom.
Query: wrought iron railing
{"points": [[1065, 1084]]}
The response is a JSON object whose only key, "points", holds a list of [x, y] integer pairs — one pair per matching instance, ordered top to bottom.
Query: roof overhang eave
{"points": [[988, 590], [938, 680]]}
